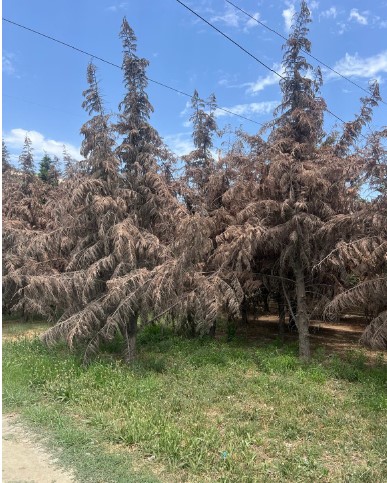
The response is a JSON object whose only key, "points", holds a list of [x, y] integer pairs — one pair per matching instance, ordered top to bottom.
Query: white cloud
{"points": [[313, 5], [115, 8], [329, 13], [230, 17], [288, 17], [357, 17], [235, 19], [252, 22], [382, 23], [343, 27], [8, 63], [367, 67], [264, 81], [223, 82], [265, 107], [187, 109], [14, 140], [179, 143]]}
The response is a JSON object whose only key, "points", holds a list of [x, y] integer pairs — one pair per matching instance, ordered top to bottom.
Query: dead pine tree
{"points": [[138, 149], [5, 159], [199, 164], [289, 195], [25, 219], [114, 225], [360, 248]]}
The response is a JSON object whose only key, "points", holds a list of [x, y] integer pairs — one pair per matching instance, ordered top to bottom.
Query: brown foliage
{"points": [[111, 249]]}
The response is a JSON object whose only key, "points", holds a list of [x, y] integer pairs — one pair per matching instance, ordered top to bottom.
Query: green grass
{"points": [[204, 410]]}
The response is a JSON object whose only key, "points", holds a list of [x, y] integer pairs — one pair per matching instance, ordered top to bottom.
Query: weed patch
{"points": [[204, 410]]}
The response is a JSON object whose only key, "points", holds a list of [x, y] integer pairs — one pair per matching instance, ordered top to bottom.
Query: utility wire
{"points": [[231, 40], [305, 52], [253, 56], [119, 67], [161, 83]]}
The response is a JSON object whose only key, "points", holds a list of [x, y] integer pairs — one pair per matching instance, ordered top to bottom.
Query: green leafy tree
{"points": [[45, 167]]}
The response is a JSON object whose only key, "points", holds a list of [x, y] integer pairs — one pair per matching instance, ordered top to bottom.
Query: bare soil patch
{"points": [[337, 337], [24, 460]]}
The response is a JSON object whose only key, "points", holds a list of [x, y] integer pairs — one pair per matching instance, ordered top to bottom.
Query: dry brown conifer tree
{"points": [[5, 158], [199, 163], [295, 186], [87, 216], [25, 218], [113, 226], [102, 237], [361, 249], [183, 288]]}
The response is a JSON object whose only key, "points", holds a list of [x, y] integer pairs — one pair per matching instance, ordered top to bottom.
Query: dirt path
{"points": [[24, 461]]}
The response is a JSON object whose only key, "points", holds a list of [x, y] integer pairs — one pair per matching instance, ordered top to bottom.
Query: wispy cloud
{"points": [[313, 5], [116, 8], [329, 13], [288, 14], [356, 16], [230, 17], [235, 19], [252, 22], [381, 23], [9, 63], [367, 67], [264, 81], [255, 87], [265, 107], [187, 109], [14, 140], [179, 143]]}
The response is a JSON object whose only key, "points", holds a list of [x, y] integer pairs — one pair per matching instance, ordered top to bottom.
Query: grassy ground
{"points": [[203, 410]]}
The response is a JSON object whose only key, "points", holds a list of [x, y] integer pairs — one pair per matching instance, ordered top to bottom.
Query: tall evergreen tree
{"points": [[299, 127], [98, 139], [141, 141], [5, 158], [26, 159], [199, 164], [44, 167], [69, 168], [54, 172], [297, 184], [109, 248]]}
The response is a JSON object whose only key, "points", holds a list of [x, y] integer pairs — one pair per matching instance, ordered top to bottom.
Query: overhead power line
{"points": [[230, 39], [305, 51], [89, 54], [253, 56]]}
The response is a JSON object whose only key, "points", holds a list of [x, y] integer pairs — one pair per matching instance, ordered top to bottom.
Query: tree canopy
{"points": [[123, 240]]}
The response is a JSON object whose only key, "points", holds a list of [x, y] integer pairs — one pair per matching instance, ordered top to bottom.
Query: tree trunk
{"points": [[265, 299], [244, 311], [281, 314], [302, 319], [191, 325], [212, 330], [130, 339]]}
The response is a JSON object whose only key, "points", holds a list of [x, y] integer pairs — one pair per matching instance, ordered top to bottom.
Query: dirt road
{"points": [[26, 461]]}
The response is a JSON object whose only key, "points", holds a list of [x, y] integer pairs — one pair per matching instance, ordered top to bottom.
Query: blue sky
{"points": [[43, 81]]}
